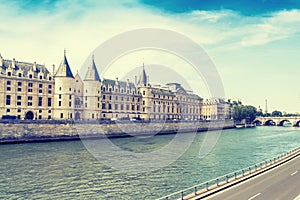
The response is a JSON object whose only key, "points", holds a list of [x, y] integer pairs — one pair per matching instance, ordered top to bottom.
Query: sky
{"points": [[253, 44]]}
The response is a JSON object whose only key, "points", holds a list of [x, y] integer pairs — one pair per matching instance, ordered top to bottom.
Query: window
{"points": [[8, 73], [19, 75], [30, 75], [41, 77], [50, 78], [8, 82], [19, 83], [40, 85], [49, 86], [59, 88], [8, 89], [19, 89], [70, 89], [40, 91], [49, 91], [144, 92], [59, 96], [70, 96], [19, 97], [109, 97], [116, 97], [29, 98], [7, 99], [40, 101], [49, 102], [19, 103], [59, 103], [29, 104], [70, 104], [103, 106], [109, 106], [116, 106], [122, 107], [132, 107], [8, 110], [19, 110], [40, 111], [49, 111], [61, 115]]}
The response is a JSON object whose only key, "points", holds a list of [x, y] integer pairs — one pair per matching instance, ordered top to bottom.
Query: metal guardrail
{"points": [[204, 187]]}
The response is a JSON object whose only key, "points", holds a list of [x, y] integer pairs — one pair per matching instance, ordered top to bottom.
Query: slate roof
{"points": [[24, 66], [64, 69], [92, 72]]}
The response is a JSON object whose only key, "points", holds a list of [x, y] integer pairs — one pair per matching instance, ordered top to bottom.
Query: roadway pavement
{"points": [[280, 183]]}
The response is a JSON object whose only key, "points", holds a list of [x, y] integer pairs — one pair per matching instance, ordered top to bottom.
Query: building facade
{"points": [[30, 91]]}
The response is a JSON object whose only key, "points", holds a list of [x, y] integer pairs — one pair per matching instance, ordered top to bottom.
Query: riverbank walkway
{"points": [[278, 178]]}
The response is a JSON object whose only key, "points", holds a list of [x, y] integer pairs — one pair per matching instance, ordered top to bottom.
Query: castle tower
{"points": [[64, 91], [145, 91], [92, 92]]}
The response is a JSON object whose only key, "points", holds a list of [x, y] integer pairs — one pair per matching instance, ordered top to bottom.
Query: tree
{"points": [[247, 113], [276, 113]]}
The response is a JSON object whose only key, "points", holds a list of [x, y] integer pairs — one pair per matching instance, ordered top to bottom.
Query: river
{"points": [[66, 170]]}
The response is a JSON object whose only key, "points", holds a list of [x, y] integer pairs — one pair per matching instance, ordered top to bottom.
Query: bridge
{"points": [[278, 121], [277, 178]]}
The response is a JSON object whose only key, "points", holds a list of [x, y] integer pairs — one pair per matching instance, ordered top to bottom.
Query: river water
{"points": [[66, 170]]}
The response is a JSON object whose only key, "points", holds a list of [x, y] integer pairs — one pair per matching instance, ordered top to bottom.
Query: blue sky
{"points": [[254, 44]]}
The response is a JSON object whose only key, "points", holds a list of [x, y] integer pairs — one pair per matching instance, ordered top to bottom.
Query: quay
{"points": [[48, 131], [277, 178]]}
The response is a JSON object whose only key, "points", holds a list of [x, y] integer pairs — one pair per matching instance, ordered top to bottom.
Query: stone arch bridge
{"points": [[278, 121]]}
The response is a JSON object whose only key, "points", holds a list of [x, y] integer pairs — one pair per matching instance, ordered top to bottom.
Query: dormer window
{"points": [[8, 73], [20, 75], [30, 75], [41, 77], [50, 78]]}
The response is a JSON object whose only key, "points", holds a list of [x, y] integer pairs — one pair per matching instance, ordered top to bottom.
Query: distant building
{"points": [[30, 91], [219, 108]]}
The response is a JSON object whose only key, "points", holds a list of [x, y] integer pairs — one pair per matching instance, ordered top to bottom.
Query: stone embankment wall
{"points": [[26, 132]]}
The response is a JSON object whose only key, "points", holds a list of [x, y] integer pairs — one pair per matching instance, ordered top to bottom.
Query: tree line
{"points": [[247, 113]]}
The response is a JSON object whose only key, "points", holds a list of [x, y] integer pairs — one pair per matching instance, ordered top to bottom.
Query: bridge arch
{"points": [[282, 121], [258, 122], [270, 122], [297, 123]]}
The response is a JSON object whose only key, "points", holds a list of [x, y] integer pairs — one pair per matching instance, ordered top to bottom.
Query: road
{"points": [[280, 183]]}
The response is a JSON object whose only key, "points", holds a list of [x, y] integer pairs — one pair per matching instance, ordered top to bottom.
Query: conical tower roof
{"points": [[64, 69], [92, 72], [143, 77]]}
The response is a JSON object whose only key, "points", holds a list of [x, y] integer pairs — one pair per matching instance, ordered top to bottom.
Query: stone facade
{"points": [[30, 91]]}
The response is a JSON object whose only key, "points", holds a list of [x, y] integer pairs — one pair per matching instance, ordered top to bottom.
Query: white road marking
{"points": [[294, 173], [254, 196], [297, 198]]}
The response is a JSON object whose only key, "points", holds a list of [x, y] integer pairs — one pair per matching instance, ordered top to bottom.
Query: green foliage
{"points": [[247, 113], [276, 113]]}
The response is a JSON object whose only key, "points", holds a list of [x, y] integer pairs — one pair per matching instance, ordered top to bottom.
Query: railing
{"points": [[202, 188]]}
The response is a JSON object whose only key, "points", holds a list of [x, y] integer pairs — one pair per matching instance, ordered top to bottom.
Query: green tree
{"points": [[247, 113], [276, 113]]}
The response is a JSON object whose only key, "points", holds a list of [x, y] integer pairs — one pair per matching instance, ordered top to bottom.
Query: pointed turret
{"points": [[64, 69], [92, 72], [143, 77]]}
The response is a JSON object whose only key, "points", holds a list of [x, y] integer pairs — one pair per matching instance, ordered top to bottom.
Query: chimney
{"points": [[13, 63], [34, 66], [53, 69]]}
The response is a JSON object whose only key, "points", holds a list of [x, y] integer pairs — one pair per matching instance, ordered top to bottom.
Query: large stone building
{"points": [[30, 91], [219, 108]]}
